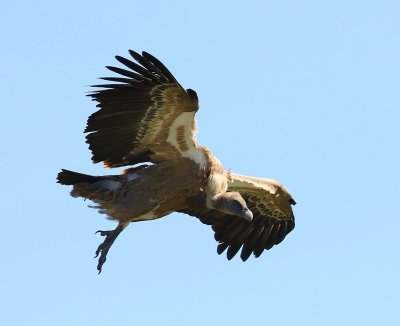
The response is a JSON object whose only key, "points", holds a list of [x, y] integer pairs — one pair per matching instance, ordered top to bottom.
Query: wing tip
{"points": [[192, 94]]}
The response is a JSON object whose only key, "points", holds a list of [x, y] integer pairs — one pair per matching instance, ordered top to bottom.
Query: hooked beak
{"points": [[247, 214]]}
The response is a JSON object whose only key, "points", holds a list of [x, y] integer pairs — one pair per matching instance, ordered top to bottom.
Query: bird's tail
{"points": [[70, 178], [98, 189]]}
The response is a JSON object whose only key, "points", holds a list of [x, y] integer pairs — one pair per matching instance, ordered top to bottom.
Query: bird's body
{"points": [[149, 118], [145, 193]]}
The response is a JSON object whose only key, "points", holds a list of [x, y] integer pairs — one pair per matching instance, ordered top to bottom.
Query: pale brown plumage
{"points": [[146, 116]]}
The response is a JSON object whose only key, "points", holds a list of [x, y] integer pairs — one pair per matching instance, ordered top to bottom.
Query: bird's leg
{"points": [[104, 247]]}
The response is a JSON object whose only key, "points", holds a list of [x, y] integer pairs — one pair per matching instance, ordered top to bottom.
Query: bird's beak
{"points": [[247, 214]]}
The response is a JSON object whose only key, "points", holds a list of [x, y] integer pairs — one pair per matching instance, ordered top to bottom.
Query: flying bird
{"points": [[146, 120]]}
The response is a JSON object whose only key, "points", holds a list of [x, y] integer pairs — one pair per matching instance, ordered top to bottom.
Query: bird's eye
{"points": [[237, 204]]}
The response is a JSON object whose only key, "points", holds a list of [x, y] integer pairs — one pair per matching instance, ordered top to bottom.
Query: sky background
{"points": [[306, 92]]}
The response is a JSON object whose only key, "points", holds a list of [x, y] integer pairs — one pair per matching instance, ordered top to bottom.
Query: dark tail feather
{"points": [[66, 177]]}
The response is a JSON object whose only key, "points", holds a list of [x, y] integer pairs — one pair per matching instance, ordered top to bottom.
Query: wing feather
{"points": [[147, 64], [163, 69], [125, 73], [142, 73], [139, 113], [273, 218], [249, 243], [222, 247]]}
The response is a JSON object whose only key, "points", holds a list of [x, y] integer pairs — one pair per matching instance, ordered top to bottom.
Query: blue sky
{"points": [[306, 92]]}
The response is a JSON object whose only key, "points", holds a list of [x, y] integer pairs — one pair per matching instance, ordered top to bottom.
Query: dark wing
{"points": [[144, 115], [273, 218]]}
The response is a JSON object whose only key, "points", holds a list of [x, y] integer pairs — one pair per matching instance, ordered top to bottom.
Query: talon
{"points": [[104, 233], [105, 246], [98, 250]]}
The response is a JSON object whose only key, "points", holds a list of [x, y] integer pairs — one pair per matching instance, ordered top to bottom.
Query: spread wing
{"points": [[145, 115], [273, 218]]}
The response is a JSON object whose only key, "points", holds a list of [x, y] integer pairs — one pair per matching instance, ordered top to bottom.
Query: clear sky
{"points": [[306, 92]]}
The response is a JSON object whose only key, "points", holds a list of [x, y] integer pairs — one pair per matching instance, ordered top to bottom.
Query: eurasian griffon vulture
{"points": [[145, 115]]}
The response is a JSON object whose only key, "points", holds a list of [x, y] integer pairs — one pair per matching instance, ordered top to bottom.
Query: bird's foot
{"points": [[104, 247]]}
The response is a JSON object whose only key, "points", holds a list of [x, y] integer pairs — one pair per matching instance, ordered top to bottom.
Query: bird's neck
{"points": [[217, 181]]}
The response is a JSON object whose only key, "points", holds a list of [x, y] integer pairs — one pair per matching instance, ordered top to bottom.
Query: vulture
{"points": [[146, 122]]}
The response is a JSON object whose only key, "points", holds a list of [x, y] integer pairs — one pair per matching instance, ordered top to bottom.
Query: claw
{"points": [[104, 233], [104, 247]]}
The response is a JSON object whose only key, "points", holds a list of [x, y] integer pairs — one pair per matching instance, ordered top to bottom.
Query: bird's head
{"points": [[232, 203]]}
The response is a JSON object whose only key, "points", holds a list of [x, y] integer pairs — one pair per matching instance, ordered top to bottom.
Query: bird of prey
{"points": [[146, 120]]}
